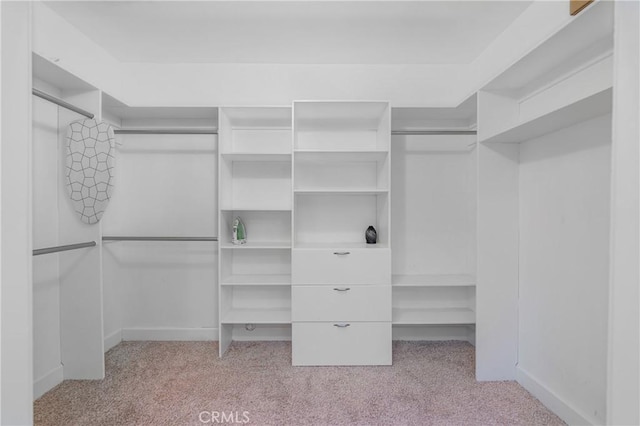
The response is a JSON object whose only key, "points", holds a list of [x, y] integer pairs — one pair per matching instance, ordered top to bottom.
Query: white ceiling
{"points": [[303, 32]]}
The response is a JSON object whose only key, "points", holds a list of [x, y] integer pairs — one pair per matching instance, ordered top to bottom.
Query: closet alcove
{"points": [[493, 217], [433, 221], [159, 248], [67, 285]]}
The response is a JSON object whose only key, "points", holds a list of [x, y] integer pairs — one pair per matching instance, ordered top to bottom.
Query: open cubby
{"points": [[341, 126], [255, 130], [341, 172], [258, 185], [340, 219], [262, 226], [268, 267], [256, 305], [433, 305]]}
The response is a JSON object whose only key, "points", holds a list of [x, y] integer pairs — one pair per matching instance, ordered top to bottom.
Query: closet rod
{"points": [[58, 101], [185, 131], [433, 132], [116, 238], [57, 249]]}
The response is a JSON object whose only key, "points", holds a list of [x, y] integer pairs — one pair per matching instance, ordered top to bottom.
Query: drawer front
{"points": [[350, 266], [341, 303], [323, 343]]}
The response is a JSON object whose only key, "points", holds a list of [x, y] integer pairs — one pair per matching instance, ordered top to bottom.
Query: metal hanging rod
{"points": [[58, 101], [177, 131], [433, 132], [116, 238], [57, 249]]}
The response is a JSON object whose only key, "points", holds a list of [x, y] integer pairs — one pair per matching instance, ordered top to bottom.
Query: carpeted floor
{"points": [[185, 383]]}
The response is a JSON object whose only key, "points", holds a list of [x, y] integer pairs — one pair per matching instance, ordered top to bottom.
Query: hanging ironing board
{"points": [[89, 168]]}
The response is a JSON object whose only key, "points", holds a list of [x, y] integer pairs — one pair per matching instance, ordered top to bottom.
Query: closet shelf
{"points": [[586, 36], [589, 107], [310, 155], [267, 156], [335, 191], [256, 210], [257, 245], [340, 245], [256, 280], [433, 280], [257, 316], [433, 316]]}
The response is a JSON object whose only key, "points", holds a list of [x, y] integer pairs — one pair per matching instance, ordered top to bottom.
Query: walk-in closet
{"points": [[320, 212]]}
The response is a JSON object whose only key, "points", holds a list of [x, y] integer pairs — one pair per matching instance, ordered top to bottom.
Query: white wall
{"points": [[165, 186], [433, 207], [564, 266], [624, 297], [16, 355], [47, 367]]}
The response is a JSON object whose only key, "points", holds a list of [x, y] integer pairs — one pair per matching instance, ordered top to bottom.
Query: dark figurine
{"points": [[371, 235]]}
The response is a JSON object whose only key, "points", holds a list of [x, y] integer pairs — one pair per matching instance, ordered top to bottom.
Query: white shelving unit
{"points": [[255, 164], [341, 185]]}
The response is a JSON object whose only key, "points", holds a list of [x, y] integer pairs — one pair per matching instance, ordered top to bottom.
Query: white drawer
{"points": [[344, 267], [341, 303], [325, 343]]}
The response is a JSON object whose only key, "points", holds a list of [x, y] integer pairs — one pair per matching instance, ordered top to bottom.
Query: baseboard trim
{"points": [[170, 334], [112, 339], [47, 382], [551, 400]]}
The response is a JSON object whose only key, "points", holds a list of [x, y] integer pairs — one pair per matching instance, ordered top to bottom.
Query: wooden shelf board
{"points": [[590, 107], [257, 157], [257, 245], [257, 280], [433, 280], [257, 316], [433, 316]]}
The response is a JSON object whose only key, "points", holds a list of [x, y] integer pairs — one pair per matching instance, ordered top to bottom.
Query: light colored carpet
{"points": [[172, 383]]}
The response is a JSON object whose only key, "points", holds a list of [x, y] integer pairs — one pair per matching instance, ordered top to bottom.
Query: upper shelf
{"points": [[587, 36], [51, 74], [563, 81], [584, 109], [343, 115], [271, 117], [341, 191]]}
